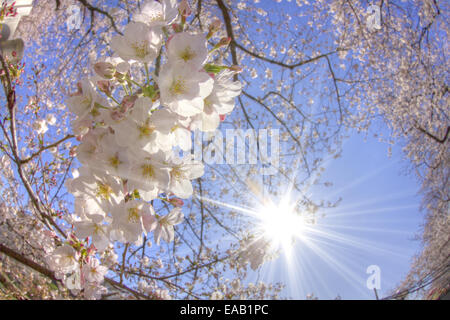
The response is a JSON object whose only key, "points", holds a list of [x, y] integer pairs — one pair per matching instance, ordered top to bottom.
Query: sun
{"points": [[280, 224]]}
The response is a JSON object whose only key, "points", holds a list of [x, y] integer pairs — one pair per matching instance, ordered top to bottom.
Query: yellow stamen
{"points": [[140, 49], [187, 54], [177, 87], [207, 102], [95, 112], [174, 128], [146, 130], [114, 162], [148, 171], [177, 173], [104, 191], [133, 215], [97, 229]]}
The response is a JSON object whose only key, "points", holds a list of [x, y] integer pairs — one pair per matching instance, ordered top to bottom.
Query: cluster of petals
{"points": [[130, 139]]}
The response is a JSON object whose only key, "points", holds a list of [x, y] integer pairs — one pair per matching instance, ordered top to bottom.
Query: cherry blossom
{"points": [[156, 13], [139, 42], [188, 50], [170, 74], [183, 89], [219, 103], [40, 126], [181, 174], [128, 220], [93, 226], [163, 226], [64, 259], [93, 271]]}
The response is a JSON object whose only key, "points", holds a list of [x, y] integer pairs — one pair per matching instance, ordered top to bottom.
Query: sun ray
{"points": [[225, 205], [345, 213], [332, 239], [350, 276]]}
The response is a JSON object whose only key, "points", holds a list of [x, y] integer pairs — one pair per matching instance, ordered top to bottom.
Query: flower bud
{"points": [[184, 8], [215, 25], [177, 28], [213, 28], [223, 42], [123, 67], [237, 69], [105, 70], [120, 77], [104, 86], [127, 103], [176, 202], [91, 250]]}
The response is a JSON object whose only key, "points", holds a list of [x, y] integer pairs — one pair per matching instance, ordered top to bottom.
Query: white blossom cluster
{"points": [[132, 119], [255, 250], [234, 289]]}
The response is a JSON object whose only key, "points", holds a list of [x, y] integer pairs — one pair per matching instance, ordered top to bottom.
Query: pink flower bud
{"points": [[184, 8], [215, 26], [177, 28], [223, 42], [237, 69], [105, 70], [119, 77], [104, 86], [127, 103], [222, 117], [176, 202], [91, 250]]}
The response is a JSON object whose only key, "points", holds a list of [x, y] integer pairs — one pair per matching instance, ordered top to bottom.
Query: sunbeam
{"points": [[280, 224]]}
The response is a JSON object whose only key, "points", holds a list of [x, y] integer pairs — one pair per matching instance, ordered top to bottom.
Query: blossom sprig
{"points": [[7, 10], [15, 69], [131, 118]]}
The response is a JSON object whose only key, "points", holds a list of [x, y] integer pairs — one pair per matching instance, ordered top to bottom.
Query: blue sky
{"points": [[374, 225]]}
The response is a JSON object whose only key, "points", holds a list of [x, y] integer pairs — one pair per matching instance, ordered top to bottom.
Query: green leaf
{"points": [[212, 68]]}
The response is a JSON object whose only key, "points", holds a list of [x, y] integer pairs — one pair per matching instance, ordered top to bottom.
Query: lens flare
{"points": [[280, 224]]}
